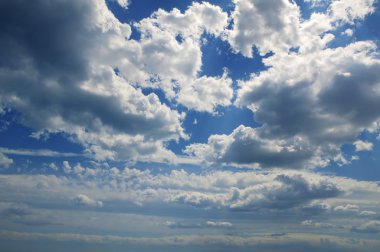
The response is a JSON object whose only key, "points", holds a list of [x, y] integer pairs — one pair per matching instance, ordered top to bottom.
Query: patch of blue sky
{"points": [[307, 8], [140, 9], [368, 29], [217, 55], [201, 125], [17, 137], [367, 165]]}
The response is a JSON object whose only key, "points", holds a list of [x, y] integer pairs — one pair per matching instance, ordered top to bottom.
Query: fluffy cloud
{"points": [[351, 10], [267, 25], [170, 52], [58, 73], [206, 93], [310, 101], [322, 109], [245, 146], [363, 146], [5, 162], [250, 191], [84, 200]]}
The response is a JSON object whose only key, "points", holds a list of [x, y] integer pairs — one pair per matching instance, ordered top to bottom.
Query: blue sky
{"points": [[232, 125]]}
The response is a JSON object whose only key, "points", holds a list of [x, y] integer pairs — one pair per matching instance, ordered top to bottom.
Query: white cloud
{"points": [[318, 3], [351, 10], [270, 25], [348, 32], [170, 52], [73, 78], [206, 93], [308, 104], [363, 145], [245, 146], [37, 152], [5, 161], [53, 166], [66, 167], [251, 191], [84, 200], [347, 208], [368, 213], [219, 224], [298, 241]]}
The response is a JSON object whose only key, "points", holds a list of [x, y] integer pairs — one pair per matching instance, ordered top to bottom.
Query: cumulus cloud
{"points": [[351, 10], [267, 25], [170, 51], [73, 77], [206, 93], [311, 100], [308, 104], [245, 146], [363, 146], [5, 161], [53, 166], [249, 191], [84, 200]]}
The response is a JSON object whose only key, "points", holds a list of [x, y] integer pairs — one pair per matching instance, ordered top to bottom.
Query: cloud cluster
{"points": [[170, 52], [56, 70], [310, 101], [231, 191], [291, 242]]}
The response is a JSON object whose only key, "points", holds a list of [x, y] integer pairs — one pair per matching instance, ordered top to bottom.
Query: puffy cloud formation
{"points": [[268, 25], [170, 52], [60, 77], [310, 101], [363, 146], [5, 162], [249, 191], [84, 200], [122, 200]]}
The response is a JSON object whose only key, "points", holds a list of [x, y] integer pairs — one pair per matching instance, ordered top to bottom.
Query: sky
{"points": [[184, 125]]}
